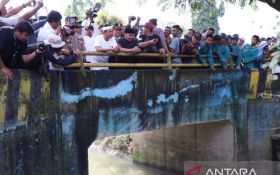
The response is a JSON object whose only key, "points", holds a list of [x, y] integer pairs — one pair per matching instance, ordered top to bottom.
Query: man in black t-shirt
{"points": [[150, 43], [128, 44], [13, 48]]}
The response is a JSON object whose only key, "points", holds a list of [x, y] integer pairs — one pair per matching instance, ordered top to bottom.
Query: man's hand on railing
{"points": [[117, 49], [162, 51], [8, 73]]}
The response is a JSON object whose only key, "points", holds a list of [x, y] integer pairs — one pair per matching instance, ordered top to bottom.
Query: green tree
{"points": [[79, 7], [207, 16], [105, 18]]}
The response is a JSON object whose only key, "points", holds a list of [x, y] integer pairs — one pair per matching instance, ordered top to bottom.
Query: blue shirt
{"points": [[175, 45], [208, 51], [222, 51], [249, 55]]}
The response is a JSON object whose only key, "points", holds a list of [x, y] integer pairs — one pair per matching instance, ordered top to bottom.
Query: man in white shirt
{"points": [[52, 27], [89, 43], [107, 44]]}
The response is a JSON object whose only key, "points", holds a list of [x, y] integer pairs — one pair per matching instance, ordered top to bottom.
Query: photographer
{"points": [[91, 14], [74, 40], [191, 46], [13, 48], [51, 53]]}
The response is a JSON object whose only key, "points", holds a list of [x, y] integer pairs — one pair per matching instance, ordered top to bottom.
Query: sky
{"points": [[245, 22]]}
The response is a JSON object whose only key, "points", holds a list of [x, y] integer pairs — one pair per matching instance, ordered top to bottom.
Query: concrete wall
{"points": [[68, 110], [168, 149]]}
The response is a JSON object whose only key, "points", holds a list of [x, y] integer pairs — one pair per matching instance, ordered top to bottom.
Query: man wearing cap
{"points": [[118, 31], [159, 32], [76, 41], [241, 42], [105, 43], [150, 43], [128, 44], [191, 47], [13, 48], [207, 50], [221, 50], [236, 50], [54, 55]]}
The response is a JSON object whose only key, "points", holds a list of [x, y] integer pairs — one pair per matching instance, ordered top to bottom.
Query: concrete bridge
{"points": [[48, 122]]}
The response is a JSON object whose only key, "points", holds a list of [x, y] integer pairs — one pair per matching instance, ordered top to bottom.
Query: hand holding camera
{"points": [[153, 41], [77, 52]]}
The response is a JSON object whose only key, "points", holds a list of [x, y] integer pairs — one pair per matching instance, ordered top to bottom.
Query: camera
{"points": [[92, 12], [132, 18], [44, 47]]}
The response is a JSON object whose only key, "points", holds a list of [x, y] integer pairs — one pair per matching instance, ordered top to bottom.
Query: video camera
{"points": [[92, 12], [132, 18], [67, 30], [44, 47]]}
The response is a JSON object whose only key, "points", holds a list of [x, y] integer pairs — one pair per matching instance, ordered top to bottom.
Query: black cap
{"points": [[153, 21], [118, 25], [90, 27], [130, 30], [235, 37]]}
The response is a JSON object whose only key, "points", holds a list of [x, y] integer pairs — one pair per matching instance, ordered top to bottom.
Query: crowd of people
{"points": [[44, 43]]}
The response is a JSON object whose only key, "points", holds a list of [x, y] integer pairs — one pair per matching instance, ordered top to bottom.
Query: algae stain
{"points": [[121, 89]]}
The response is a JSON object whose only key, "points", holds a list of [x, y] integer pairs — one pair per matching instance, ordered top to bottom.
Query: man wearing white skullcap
{"points": [[104, 43]]}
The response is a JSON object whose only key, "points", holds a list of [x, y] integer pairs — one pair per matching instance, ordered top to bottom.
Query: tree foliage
{"points": [[79, 7], [207, 16], [104, 18]]}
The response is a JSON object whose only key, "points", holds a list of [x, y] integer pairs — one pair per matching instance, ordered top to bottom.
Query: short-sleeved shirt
{"points": [[45, 32], [101, 42], [128, 45], [175, 45], [153, 48], [11, 49], [150, 49]]}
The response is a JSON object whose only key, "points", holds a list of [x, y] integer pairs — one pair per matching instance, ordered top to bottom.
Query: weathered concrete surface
{"points": [[107, 103], [168, 149]]}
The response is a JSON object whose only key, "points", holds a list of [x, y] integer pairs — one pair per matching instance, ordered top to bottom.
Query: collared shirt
{"points": [[45, 32], [89, 45], [175, 45], [11, 49], [249, 56]]}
